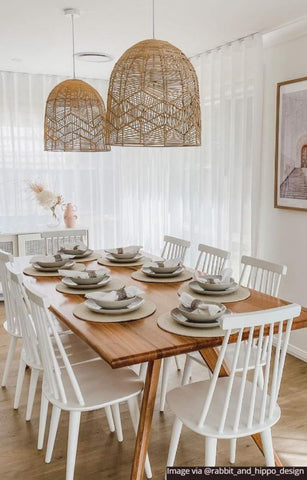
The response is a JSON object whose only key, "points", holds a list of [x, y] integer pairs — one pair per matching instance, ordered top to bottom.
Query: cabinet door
{"points": [[8, 243], [30, 244]]}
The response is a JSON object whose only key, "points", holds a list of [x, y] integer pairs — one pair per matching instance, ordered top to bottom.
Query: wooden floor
{"points": [[100, 456]]}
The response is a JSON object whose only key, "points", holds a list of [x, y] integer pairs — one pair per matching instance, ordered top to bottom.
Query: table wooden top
{"points": [[128, 343]]}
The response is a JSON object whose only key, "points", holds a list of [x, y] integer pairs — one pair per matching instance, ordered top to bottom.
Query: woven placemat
{"points": [[93, 256], [106, 262], [36, 273], [141, 277], [114, 284], [241, 294], [82, 312], [166, 322]]}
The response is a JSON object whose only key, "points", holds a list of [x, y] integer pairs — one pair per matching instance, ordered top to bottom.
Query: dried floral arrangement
{"points": [[45, 198]]}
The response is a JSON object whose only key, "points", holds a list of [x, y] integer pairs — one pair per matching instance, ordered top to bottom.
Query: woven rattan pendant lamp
{"points": [[153, 97], [75, 115]]}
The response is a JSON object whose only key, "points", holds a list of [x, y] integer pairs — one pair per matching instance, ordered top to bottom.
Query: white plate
{"points": [[123, 260], [52, 269], [164, 269], [147, 271], [71, 284], [198, 289], [92, 305], [203, 316], [180, 318]]}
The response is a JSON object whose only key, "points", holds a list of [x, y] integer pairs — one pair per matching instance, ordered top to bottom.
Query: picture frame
{"points": [[291, 145]]}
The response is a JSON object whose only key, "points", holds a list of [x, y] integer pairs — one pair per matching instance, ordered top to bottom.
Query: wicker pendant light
{"points": [[153, 98], [75, 115]]}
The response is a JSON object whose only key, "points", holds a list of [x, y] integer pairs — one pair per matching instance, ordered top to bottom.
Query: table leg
{"points": [[210, 356], [147, 408]]}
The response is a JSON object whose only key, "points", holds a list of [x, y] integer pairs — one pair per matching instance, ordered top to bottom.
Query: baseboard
{"points": [[297, 352]]}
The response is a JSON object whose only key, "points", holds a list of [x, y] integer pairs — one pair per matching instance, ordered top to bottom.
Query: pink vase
{"points": [[70, 217]]}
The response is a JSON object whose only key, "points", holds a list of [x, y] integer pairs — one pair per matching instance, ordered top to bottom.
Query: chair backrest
{"points": [[55, 240], [174, 248], [211, 260], [262, 275], [21, 309], [13, 325], [54, 358], [244, 404]]}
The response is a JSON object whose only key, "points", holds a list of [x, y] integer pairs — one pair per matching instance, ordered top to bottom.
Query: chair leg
{"points": [[9, 359], [177, 363], [187, 371], [165, 375], [19, 384], [32, 391], [109, 416], [135, 418], [117, 421], [42, 422], [54, 422], [73, 434], [266, 437], [174, 442], [233, 447], [210, 453]]}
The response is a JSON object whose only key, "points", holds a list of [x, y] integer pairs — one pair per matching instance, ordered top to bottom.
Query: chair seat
{"points": [[229, 355], [101, 385], [187, 403]]}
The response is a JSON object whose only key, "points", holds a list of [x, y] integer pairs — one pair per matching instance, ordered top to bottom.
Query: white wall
{"points": [[283, 233]]}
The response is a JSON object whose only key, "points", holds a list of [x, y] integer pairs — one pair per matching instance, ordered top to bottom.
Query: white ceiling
{"points": [[36, 37]]}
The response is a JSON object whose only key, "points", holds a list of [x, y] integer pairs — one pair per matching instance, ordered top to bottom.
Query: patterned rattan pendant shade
{"points": [[153, 98], [75, 119]]}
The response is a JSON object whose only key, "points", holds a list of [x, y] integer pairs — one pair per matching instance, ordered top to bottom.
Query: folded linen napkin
{"points": [[77, 247], [133, 249], [50, 258], [173, 262], [101, 272], [205, 278], [114, 295], [198, 306]]}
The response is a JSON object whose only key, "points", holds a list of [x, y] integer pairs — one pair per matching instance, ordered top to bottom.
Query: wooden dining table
{"points": [[134, 342]]}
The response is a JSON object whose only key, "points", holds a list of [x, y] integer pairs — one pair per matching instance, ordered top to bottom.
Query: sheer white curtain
{"points": [[136, 195]]}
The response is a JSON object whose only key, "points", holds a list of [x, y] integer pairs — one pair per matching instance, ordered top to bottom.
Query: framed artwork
{"points": [[291, 145]]}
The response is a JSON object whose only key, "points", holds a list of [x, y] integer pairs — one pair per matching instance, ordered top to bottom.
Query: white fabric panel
{"points": [[136, 195]]}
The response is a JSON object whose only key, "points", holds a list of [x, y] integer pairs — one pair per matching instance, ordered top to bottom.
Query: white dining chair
{"points": [[55, 240], [174, 248], [210, 260], [259, 275], [11, 324], [77, 350], [77, 388], [233, 407]]}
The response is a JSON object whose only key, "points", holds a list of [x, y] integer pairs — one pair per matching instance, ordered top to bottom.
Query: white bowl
{"points": [[164, 269], [88, 281], [214, 286], [112, 305], [202, 316]]}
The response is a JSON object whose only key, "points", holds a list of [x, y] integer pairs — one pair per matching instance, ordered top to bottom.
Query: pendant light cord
{"points": [[153, 19], [73, 46]]}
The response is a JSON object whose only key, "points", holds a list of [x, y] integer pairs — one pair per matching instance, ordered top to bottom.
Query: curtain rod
{"points": [[263, 32], [227, 44]]}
